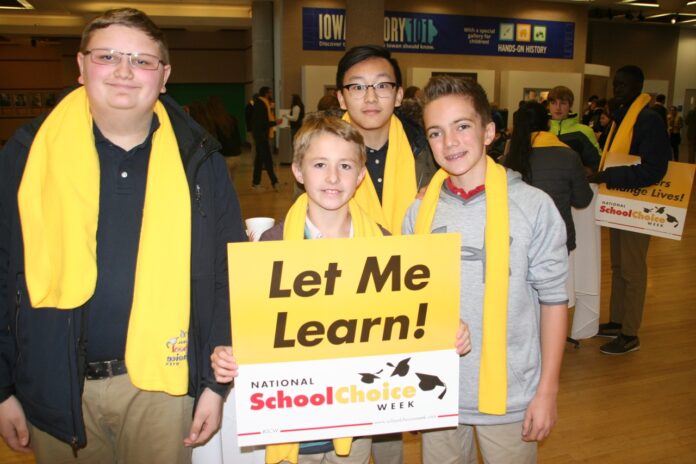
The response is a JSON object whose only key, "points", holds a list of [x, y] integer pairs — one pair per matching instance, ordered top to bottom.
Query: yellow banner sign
{"points": [[341, 298]]}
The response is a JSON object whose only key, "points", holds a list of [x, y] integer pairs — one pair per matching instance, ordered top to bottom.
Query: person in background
{"points": [[329, 104], [592, 105], [411, 106], [660, 108], [199, 113], [297, 114], [690, 121], [262, 123], [565, 126], [674, 127], [602, 128], [641, 132], [227, 133], [548, 164], [115, 214], [513, 271]]}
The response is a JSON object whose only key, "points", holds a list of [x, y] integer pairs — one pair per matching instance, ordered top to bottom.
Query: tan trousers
{"points": [[629, 278], [124, 425], [498, 444], [388, 449], [359, 454]]}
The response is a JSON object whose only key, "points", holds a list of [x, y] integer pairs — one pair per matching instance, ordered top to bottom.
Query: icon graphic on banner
{"points": [[507, 32], [524, 32], [539, 34], [661, 210]]}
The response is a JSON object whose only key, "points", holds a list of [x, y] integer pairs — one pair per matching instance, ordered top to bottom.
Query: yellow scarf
{"points": [[271, 116], [546, 139], [621, 143], [400, 187], [59, 208], [363, 226], [493, 371]]}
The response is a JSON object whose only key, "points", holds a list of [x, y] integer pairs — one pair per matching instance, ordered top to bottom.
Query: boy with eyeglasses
{"points": [[399, 162], [115, 213]]}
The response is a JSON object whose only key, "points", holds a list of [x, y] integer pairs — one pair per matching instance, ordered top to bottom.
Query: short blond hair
{"points": [[317, 124]]}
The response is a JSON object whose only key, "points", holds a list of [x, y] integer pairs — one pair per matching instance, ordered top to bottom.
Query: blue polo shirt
{"points": [[123, 177]]}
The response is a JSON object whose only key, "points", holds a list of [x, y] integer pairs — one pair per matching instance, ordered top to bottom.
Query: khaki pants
{"points": [[629, 278], [124, 425], [499, 444], [388, 449], [359, 454]]}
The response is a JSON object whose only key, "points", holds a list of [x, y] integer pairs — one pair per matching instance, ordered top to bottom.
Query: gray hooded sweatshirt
{"points": [[538, 270]]}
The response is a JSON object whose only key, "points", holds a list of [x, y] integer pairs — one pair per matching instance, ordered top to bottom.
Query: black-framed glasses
{"points": [[107, 56], [382, 89]]}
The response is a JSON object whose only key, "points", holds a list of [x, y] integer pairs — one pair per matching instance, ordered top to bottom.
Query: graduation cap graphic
{"points": [[401, 369], [366, 377], [429, 382]]}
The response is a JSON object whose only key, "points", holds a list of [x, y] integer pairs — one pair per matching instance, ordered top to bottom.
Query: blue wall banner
{"points": [[324, 29]]}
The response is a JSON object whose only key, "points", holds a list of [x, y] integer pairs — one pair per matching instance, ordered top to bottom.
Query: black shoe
{"points": [[609, 329], [622, 344]]}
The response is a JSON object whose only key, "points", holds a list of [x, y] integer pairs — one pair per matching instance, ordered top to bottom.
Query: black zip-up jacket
{"points": [[41, 350]]}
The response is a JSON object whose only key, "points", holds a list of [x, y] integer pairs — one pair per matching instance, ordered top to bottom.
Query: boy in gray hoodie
{"points": [[514, 266]]}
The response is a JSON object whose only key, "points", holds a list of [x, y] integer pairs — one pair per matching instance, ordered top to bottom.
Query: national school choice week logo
{"points": [[656, 216], [177, 348], [387, 396]]}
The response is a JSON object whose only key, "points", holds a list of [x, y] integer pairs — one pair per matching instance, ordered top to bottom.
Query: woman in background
{"points": [[226, 130]]}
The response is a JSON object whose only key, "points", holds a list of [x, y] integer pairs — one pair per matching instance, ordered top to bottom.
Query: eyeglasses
{"points": [[110, 57], [382, 89]]}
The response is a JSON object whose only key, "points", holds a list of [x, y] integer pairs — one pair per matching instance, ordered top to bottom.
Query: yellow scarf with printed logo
{"points": [[621, 142], [400, 187], [58, 202], [363, 226], [493, 370]]}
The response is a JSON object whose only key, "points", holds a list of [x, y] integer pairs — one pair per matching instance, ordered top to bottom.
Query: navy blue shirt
{"points": [[376, 160], [123, 177]]}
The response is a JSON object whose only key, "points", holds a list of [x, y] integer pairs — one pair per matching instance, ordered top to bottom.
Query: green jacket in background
{"points": [[579, 137]]}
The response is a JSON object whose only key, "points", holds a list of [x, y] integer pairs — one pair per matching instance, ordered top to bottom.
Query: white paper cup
{"points": [[257, 226]]}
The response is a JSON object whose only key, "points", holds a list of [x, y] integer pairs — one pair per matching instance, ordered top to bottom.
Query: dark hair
{"points": [[128, 17], [361, 53], [634, 71], [442, 86], [263, 91], [411, 92], [661, 98], [296, 100], [328, 102], [199, 113], [219, 116], [532, 117]]}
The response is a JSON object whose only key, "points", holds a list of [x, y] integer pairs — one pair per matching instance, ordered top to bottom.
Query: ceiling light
{"points": [[674, 19]]}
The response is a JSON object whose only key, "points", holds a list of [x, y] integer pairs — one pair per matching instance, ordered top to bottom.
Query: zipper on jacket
{"points": [[198, 195]]}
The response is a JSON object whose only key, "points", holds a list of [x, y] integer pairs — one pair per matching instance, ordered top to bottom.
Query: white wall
{"points": [[685, 75], [419, 77], [315, 79], [656, 87]]}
